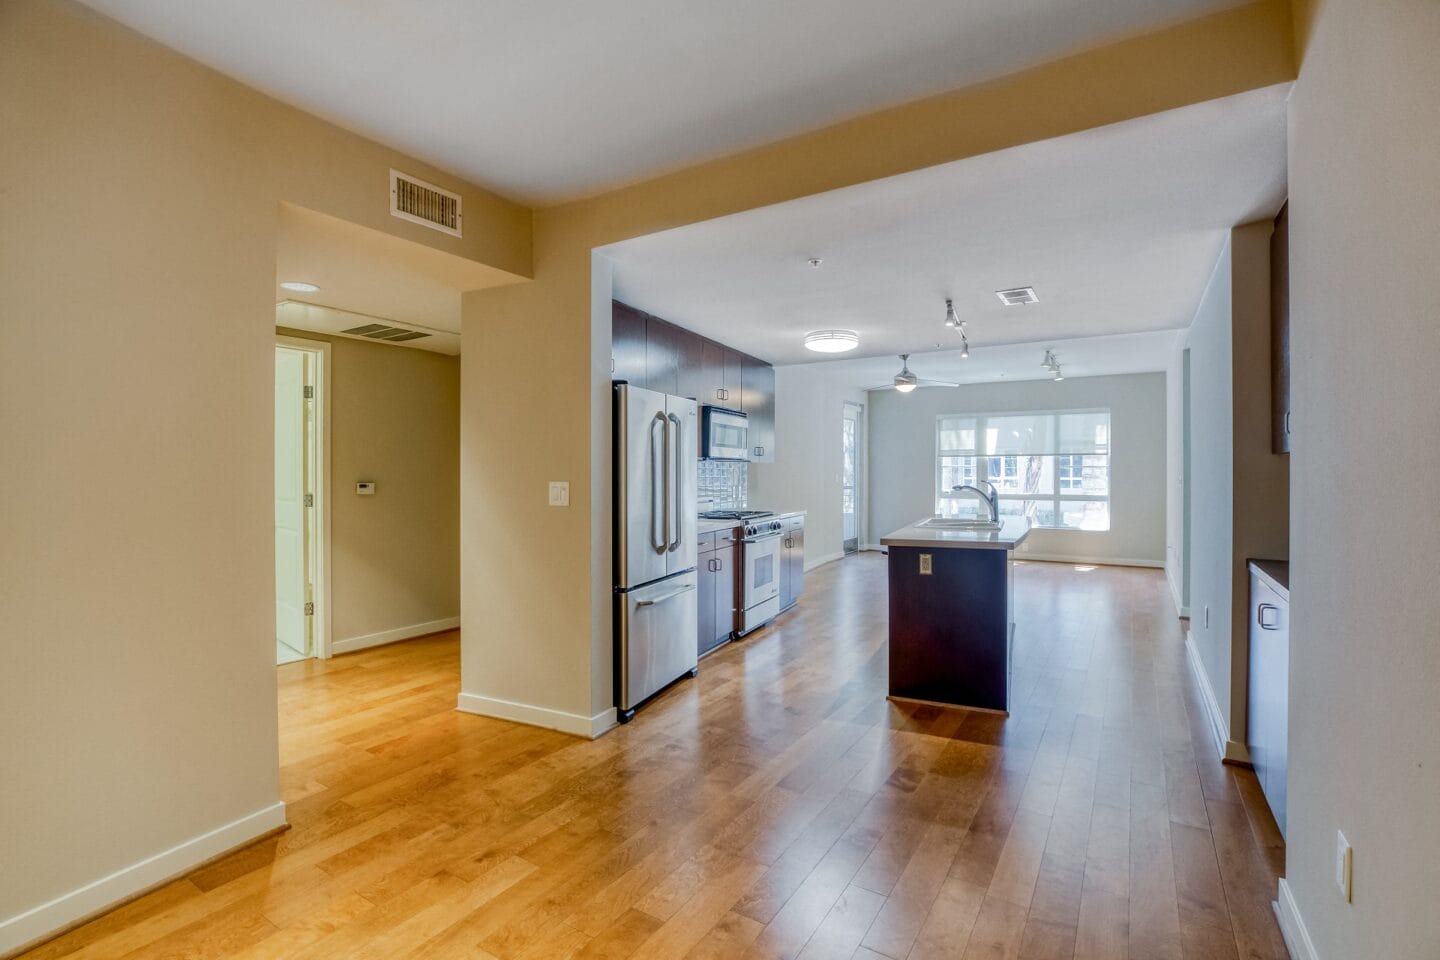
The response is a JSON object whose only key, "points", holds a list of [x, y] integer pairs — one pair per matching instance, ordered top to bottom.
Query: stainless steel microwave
{"points": [[724, 434]]}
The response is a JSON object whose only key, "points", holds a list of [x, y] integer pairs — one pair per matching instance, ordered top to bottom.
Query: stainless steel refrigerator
{"points": [[656, 445]]}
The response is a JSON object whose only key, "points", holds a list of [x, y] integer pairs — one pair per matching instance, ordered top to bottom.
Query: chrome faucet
{"points": [[992, 499]]}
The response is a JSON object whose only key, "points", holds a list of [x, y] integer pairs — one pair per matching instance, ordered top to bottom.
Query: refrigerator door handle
{"points": [[679, 466], [658, 485], [667, 596]]}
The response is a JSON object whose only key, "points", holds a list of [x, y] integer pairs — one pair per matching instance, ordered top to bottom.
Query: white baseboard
{"points": [[1071, 558], [818, 561], [1180, 608], [351, 644], [580, 726], [1231, 750], [69, 909], [1292, 925]]}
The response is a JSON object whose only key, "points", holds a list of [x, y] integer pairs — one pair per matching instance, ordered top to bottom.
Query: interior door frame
{"points": [[320, 350], [860, 447]]}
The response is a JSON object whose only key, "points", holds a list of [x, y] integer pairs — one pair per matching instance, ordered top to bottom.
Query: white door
{"points": [[291, 547]]}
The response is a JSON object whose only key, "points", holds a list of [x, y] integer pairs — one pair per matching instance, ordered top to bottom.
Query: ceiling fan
{"points": [[905, 381]]}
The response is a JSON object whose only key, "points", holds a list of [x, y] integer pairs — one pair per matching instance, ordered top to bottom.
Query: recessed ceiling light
{"points": [[300, 286], [1017, 296], [832, 341]]}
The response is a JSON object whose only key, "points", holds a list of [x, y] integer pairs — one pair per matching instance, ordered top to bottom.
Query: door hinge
{"points": [[309, 392], [309, 499], [310, 609]]}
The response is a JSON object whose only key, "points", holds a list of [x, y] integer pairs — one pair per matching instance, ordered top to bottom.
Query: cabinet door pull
{"points": [[1261, 619]]}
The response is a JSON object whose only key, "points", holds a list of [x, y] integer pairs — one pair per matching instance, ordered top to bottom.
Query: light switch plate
{"points": [[559, 493], [925, 565], [1344, 866]]}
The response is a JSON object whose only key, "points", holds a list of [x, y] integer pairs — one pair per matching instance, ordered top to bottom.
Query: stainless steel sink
{"points": [[960, 523]]}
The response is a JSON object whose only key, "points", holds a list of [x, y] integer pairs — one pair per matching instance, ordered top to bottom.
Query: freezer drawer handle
{"points": [[669, 596], [1268, 624]]}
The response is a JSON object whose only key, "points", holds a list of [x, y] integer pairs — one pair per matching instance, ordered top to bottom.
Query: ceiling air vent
{"points": [[424, 203], [1017, 296], [381, 331]]}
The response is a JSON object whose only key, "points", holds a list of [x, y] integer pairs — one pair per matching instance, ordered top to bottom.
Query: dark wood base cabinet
{"points": [[950, 628]]}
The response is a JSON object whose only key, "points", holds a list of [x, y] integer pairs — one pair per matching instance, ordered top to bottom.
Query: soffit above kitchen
{"points": [[545, 102], [1117, 229], [366, 276]]}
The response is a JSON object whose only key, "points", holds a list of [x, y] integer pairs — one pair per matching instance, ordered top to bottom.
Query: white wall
{"points": [[809, 407], [902, 458], [1239, 489], [1176, 547], [1365, 624]]}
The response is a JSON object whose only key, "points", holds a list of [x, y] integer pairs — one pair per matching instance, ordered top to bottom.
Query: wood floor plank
{"points": [[776, 806]]}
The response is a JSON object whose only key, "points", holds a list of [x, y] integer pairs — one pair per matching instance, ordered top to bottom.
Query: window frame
{"points": [[1055, 498]]}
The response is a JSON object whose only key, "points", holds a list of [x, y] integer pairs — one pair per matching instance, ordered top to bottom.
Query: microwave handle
{"points": [[678, 463]]}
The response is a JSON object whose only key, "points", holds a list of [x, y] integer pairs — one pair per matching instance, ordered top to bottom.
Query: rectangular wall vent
{"points": [[424, 203], [1016, 296], [380, 331]]}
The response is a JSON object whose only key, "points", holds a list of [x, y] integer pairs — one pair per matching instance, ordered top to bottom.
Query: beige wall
{"points": [[137, 279], [809, 410], [394, 419], [902, 458], [1239, 489], [1365, 624], [541, 649]]}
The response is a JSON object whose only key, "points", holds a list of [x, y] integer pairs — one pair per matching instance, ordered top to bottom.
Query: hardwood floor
{"points": [[777, 806]]}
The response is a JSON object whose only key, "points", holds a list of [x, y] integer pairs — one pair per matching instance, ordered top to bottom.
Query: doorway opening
{"points": [[852, 442], [301, 519]]}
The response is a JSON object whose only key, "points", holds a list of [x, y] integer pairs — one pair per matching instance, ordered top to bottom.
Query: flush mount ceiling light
{"points": [[300, 286], [1017, 296], [832, 341]]}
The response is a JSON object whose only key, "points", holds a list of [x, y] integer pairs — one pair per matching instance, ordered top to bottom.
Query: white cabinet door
{"points": [[1269, 692]]}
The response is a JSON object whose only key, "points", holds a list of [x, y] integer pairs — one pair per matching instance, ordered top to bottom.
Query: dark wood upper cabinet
{"points": [[1280, 333], [627, 344], [655, 354], [662, 356], [712, 362], [690, 377], [732, 379], [759, 394]]}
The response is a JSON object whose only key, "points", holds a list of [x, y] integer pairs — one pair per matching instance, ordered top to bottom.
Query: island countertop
{"points": [[1012, 531]]}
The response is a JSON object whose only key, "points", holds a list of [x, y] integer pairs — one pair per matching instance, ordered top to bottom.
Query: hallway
{"points": [[776, 806]]}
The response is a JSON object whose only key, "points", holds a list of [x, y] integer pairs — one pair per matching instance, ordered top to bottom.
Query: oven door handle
{"points": [[764, 539]]}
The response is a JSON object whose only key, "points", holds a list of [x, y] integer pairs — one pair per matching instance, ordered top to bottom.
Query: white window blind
{"points": [[1052, 467]]}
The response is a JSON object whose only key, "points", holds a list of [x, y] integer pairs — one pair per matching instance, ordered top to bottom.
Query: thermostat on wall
{"points": [[365, 488]]}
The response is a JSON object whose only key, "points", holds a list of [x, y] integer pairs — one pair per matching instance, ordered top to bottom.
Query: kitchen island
{"points": [[952, 613]]}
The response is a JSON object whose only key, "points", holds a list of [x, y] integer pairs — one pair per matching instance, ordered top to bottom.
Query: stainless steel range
{"points": [[760, 561]]}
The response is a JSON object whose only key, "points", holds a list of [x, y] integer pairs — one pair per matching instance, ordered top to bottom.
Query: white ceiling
{"points": [[546, 101], [1118, 230], [1091, 357]]}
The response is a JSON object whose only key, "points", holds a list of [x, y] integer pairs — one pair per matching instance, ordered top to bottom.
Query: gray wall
{"points": [[902, 458], [1239, 489], [1365, 626]]}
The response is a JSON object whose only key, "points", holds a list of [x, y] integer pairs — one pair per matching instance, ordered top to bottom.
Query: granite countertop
{"points": [[1012, 531], [1276, 573]]}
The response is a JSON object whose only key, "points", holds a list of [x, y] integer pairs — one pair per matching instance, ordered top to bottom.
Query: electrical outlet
{"points": [[559, 493], [925, 565], [1344, 865]]}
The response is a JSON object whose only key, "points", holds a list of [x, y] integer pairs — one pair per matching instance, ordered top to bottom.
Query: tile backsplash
{"points": [[724, 482]]}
